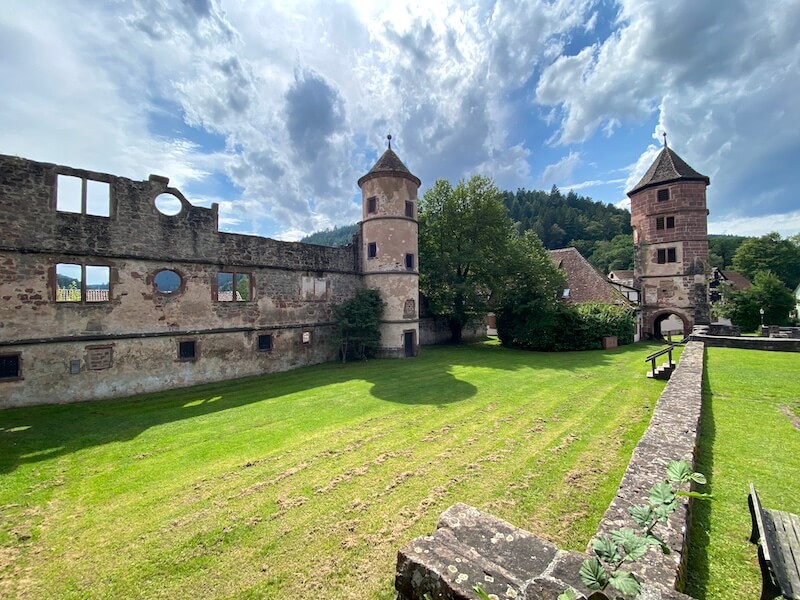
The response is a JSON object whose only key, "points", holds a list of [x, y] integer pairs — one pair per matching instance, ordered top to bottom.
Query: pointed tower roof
{"points": [[389, 164], [666, 168]]}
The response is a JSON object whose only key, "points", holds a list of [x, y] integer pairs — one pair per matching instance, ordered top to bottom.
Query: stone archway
{"points": [[669, 322]]}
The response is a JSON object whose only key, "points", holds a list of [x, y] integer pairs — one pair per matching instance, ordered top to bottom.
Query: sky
{"points": [[275, 109]]}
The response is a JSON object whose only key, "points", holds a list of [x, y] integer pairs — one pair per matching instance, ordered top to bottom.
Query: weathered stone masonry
{"points": [[71, 351]]}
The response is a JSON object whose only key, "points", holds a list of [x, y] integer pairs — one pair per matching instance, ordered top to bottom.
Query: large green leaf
{"points": [[679, 471], [699, 478], [662, 493], [665, 510], [643, 515], [633, 545], [606, 550], [593, 575], [625, 582], [568, 594]]}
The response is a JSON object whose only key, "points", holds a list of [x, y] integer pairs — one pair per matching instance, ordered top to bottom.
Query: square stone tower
{"points": [[670, 241]]}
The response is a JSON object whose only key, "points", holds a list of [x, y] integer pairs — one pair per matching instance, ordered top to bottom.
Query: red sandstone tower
{"points": [[670, 241]]}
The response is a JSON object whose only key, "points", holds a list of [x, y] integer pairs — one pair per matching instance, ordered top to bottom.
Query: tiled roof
{"points": [[389, 164], [666, 168], [620, 274], [737, 280], [585, 283]]}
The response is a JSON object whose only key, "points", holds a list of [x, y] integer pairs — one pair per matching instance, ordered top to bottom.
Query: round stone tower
{"points": [[670, 242], [389, 251]]}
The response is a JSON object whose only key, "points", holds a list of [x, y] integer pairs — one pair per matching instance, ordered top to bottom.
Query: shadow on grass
{"points": [[34, 434], [697, 562]]}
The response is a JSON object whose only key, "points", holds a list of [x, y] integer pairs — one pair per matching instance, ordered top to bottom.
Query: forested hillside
{"points": [[337, 236]]}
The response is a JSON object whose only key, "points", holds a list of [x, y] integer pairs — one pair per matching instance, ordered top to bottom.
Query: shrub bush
{"points": [[580, 327]]}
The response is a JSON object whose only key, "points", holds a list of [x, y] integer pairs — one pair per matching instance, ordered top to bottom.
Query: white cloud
{"points": [[562, 170]]}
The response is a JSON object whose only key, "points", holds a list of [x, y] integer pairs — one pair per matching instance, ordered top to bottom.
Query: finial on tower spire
{"points": [[389, 137], [665, 139]]}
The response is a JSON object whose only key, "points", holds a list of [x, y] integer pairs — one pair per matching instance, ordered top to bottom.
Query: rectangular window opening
{"points": [[69, 194], [663, 195], [98, 198], [372, 204], [410, 209], [670, 222], [659, 223], [372, 250], [671, 255], [409, 262], [69, 283], [82, 283], [98, 283], [234, 287], [264, 343], [187, 350], [10, 366]]}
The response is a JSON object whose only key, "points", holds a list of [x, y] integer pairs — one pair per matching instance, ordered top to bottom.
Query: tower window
{"points": [[663, 195], [372, 204], [410, 209], [670, 222], [659, 223], [665, 223], [372, 250], [666, 255], [410, 262], [265, 343], [187, 350], [10, 366]]}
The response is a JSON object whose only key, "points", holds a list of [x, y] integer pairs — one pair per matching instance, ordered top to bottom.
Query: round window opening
{"points": [[168, 205], [167, 282]]}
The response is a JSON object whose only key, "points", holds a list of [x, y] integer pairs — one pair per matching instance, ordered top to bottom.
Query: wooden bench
{"points": [[777, 534]]}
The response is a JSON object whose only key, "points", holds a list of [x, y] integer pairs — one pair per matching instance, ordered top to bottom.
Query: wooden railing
{"points": [[652, 358]]}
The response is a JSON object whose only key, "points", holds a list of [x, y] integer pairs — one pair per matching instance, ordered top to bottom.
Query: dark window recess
{"points": [[663, 195], [372, 204], [410, 209], [670, 222], [659, 223], [372, 250], [667, 255], [410, 262], [264, 343], [187, 350], [10, 366]]}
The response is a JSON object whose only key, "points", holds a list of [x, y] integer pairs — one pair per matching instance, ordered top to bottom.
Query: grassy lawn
{"points": [[751, 399], [305, 484]]}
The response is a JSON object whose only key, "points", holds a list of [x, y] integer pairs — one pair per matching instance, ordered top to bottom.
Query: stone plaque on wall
{"points": [[409, 309], [99, 357]]}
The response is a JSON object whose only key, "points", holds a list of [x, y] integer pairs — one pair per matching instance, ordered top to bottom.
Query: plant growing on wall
{"points": [[358, 321], [626, 545]]}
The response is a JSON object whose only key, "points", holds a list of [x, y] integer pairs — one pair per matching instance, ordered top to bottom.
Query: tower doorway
{"points": [[669, 327], [408, 343]]}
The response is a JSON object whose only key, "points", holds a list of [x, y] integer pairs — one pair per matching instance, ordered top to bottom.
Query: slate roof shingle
{"points": [[666, 168]]}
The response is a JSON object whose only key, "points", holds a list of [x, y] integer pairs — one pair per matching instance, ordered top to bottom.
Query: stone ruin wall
{"points": [[129, 344]]}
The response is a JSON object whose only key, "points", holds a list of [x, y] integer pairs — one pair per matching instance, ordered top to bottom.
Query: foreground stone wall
{"points": [[747, 342], [470, 547]]}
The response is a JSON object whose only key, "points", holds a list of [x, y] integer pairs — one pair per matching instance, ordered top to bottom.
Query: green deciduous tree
{"points": [[464, 239], [769, 253], [768, 292], [358, 321]]}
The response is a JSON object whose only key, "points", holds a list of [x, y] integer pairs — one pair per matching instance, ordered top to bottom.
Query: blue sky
{"points": [[274, 109]]}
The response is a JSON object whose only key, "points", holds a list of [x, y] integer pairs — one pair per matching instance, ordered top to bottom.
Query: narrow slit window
{"points": [[372, 205], [409, 209], [670, 222], [659, 223], [372, 250], [671, 255], [409, 262], [10, 366]]}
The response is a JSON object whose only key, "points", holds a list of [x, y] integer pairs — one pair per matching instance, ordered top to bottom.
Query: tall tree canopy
{"points": [[464, 238], [769, 253], [767, 293]]}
